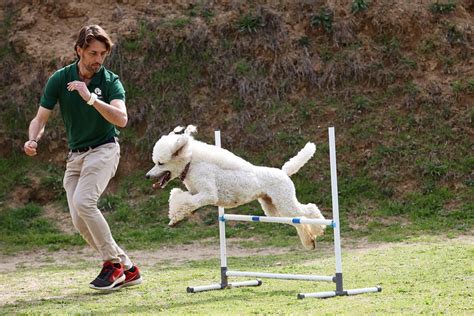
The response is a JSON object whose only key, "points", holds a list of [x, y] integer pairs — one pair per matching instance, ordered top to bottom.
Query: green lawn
{"points": [[426, 275]]}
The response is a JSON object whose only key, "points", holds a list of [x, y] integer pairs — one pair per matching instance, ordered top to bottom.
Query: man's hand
{"points": [[81, 88], [30, 148]]}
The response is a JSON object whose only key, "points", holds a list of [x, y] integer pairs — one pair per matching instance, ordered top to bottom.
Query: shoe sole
{"points": [[131, 283], [110, 287]]}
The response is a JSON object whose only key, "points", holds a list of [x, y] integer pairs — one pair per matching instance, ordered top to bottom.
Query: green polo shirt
{"points": [[85, 126]]}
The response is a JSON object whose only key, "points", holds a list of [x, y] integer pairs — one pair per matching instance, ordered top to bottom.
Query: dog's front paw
{"points": [[174, 193], [178, 208], [176, 216], [174, 221]]}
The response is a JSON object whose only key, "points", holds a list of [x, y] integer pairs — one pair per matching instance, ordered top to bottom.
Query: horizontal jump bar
{"points": [[269, 219], [281, 276]]}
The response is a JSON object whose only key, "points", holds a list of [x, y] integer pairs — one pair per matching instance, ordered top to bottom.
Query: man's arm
{"points": [[115, 112], [36, 130]]}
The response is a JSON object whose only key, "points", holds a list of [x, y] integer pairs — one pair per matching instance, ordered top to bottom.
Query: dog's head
{"points": [[171, 154]]}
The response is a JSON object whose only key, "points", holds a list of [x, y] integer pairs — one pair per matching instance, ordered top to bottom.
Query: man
{"points": [[92, 103]]}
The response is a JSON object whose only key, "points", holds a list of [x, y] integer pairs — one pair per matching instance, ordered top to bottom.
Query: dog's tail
{"points": [[294, 164]]}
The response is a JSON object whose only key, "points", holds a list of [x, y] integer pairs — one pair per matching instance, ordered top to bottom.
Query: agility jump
{"points": [[336, 278]]}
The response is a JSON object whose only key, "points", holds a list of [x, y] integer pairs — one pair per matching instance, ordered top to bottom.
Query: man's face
{"points": [[93, 56]]}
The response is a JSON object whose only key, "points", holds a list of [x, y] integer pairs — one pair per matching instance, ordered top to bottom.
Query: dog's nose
{"points": [[147, 176]]}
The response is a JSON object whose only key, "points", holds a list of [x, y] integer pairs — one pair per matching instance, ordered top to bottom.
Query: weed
{"points": [[359, 6], [443, 8], [196, 10], [324, 19], [181, 22], [250, 23], [454, 35], [303, 41], [131, 45], [428, 46], [391, 48], [409, 63], [242, 67], [470, 85], [457, 86], [411, 91], [237, 103], [362, 103], [291, 139], [434, 170], [109, 203]]}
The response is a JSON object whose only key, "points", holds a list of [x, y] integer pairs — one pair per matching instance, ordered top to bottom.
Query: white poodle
{"points": [[215, 176]]}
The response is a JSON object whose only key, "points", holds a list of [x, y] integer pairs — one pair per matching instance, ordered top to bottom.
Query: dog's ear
{"points": [[191, 129], [177, 130], [180, 146]]}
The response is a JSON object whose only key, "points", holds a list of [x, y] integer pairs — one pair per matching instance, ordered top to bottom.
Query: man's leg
{"points": [[98, 167], [71, 177]]}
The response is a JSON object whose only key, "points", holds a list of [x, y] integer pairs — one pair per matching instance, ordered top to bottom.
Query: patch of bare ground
{"points": [[180, 254]]}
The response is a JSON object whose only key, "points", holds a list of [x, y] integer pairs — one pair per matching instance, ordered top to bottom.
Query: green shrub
{"points": [[359, 5], [442, 8], [324, 19], [181, 22], [249, 23], [454, 35], [304, 41], [457, 86]]}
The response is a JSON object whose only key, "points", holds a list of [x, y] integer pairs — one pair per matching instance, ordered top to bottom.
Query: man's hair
{"points": [[92, 32]]}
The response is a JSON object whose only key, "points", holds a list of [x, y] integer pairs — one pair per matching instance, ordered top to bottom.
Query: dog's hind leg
{"points": [[267, 206], [289, 209], [271, 210], [310, 210], [307, 240]]}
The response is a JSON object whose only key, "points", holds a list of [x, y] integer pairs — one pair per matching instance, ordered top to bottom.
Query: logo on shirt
{"points": [[98, 92]]}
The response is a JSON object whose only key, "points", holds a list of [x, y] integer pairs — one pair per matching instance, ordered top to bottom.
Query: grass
{"points": [[419, 276]]}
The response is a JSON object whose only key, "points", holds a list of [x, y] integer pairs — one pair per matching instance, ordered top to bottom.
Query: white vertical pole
{"points": [[217, 135], [335, 208]]}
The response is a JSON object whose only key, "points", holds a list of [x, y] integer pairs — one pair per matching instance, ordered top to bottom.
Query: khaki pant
{"points": [[86, 177]]}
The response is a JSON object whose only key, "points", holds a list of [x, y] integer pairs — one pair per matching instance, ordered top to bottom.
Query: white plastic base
{"points": [[217, 286], [345, 292]]}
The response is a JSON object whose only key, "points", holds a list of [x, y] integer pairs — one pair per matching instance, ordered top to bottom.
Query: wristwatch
{"points": [[92, 99]]}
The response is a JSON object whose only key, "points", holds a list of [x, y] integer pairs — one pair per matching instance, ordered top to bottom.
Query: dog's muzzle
{"points": [[163, 179]]}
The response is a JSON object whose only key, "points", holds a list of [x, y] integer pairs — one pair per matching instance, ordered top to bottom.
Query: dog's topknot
{"points": [[191, 129]]}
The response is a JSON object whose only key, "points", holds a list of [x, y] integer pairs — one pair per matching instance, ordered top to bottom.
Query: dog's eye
{"points": [[160, 163]]}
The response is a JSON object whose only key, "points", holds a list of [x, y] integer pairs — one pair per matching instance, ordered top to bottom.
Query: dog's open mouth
{"points": [[163, 179]]}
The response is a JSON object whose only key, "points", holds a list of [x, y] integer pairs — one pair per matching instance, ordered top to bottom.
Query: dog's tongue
{"points": [[165, 177]]}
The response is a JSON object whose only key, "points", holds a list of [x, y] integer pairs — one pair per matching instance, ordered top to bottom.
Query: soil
{"points": [[177, 254]]}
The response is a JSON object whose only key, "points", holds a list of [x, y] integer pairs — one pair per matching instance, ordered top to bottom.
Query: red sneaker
{"points": [[110, 275], [132, 277]]}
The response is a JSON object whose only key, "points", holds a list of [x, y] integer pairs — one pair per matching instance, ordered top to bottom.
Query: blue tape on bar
{"points": [[222, 218], [256, 218], [296, 220], [333, 224]]}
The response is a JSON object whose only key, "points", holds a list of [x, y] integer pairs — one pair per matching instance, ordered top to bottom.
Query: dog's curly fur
{"points": [[215, 176]]}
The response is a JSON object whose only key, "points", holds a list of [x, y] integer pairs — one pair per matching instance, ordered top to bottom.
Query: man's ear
{"points": [[180, 146]]}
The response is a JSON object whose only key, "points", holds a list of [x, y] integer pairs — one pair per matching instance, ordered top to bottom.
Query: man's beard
{"points": [[94, 68]]}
